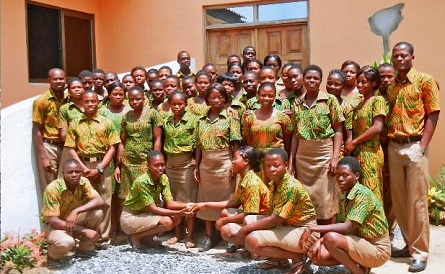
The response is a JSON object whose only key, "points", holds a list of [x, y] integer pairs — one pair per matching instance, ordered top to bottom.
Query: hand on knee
{"points": [[167, 222], [251, 243]]}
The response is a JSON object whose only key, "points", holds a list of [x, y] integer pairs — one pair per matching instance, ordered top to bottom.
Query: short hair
{"points": [[405, 44], [249, 47], [233, 55], [270, 56], [255, 61], [350, 62], [290, 64], [209, 65], [235, 65], [385, 65], [294, 66], [138, 68], [167, 68], [268, 68], [313, 68], [98, 70], [152, 70], [250, 72], [85, 73], [203, 73], [340, 73], [371, 73], [127, 75], [174, 77], [228, 77], [189, 78], [72, 80], [156, 81], [115, 85], [266, 85], [218, 87], [137, 89], [88, 92], [178, 94], [280, 152], [154, 154], [254, 156], [70, 161], [351, 162]]}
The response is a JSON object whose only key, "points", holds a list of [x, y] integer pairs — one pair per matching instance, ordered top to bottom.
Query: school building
{"points": [[118, 35]]}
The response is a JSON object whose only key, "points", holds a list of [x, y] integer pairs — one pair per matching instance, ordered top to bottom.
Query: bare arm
{"points": [[430, 127], [371, 132], [157, 138], [338, 139], [41, 152], [293, 152], [155, 210], [343, 228]]}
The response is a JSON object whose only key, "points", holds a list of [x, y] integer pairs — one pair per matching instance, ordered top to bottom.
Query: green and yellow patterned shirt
{"points": [[353, 98], [279, 104], [195, 108], [238, 108], [45, 111], [347, 111], [68, 113], [115, 117], [316, 122], [139, 133], [218, 134], [267, 134], [92, 136], [180, 137], [145, 192], [252, 194], [58, 201], [292, 202], [362, 206]]}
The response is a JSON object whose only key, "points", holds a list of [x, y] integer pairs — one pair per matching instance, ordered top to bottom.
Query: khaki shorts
{"points": [[132, 223], [234, 227], [282, 236], [369, 254]]}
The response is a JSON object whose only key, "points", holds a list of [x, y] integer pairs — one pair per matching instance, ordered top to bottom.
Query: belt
{"points": [[406, 140], [49, 141], [90, 159]]}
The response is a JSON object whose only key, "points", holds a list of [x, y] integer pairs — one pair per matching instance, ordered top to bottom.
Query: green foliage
{"points": [[386, 58], [436, 199]]}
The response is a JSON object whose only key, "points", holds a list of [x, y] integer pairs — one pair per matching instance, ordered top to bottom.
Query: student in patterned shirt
{"points": [[249, 54], [255, 66], [212, 70], [164, 72], [128, 82], [250, 82], [171, 85], [233, 89], [350, 92], [157, 93], [197, 105], [73, 109], [367, 124], [318, 125], [45, 127], [267, 127], [141, 131], [218, 137], [92, 140], [180, 141], [251, 194], [149, 208], [70, 211], [277, 235], [359, 240]]}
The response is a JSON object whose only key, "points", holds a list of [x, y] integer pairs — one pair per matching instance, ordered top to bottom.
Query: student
{"points": [[249, 54], [233, 59], [274, 61], [184, 65], [254, 65], [212, 70], [236, 70], [164, 72], [152, 74], [86, 77], [140, 77], [110, 78], [99, 81], [128, 81], [250, 82], [335, 84], [171, 85], [189, 86], [293, 86], [288, 87], [233, 89], [157, 91], [350, 92], [197, 105], [73, 109], [114, 111], [367, 124], [45, 127], [266, 127], [141, 131], [218, 137], [180, 142], [316, 142], [95, 157], [251, 194], [149, 208], [71, 213], [276, 236], [359, 240]]}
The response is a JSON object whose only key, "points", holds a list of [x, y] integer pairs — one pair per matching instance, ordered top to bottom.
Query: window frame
{"points": [[63, 12]]}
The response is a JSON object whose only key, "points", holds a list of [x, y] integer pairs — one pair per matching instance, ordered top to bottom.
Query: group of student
{"points": [[260, 153]]}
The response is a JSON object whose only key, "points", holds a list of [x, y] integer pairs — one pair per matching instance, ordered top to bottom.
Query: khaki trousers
{"points": [[54, 154], [408, 167], [104, 187], [60, 243]]}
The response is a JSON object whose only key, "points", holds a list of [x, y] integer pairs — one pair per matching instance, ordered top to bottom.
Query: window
{"points": [[257, 13], [58, 38]]}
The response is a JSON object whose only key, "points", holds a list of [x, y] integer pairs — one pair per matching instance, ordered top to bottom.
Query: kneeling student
{"points": [[251, 193], [71, 211], [143, 216], [277, 236], [360, 239]]}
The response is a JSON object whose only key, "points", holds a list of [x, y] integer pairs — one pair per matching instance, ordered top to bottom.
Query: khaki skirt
{"points": [[312, 161], [180, 168], [216, 184]]}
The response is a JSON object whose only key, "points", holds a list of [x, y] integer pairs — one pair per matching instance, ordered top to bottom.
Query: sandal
{"points": [[190, 244], [133, 246], [283, 264], [300, 267]]}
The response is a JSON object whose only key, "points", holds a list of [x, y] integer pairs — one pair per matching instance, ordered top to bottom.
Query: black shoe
{"points": [[206, 244], [231, 248], [400, 253], [417, 266]]}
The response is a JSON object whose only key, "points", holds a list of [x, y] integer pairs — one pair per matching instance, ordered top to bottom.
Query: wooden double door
{"points": [[289, 41]]}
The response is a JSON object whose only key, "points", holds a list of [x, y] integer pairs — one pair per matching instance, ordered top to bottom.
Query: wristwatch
{"points": [[100, 169]]}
